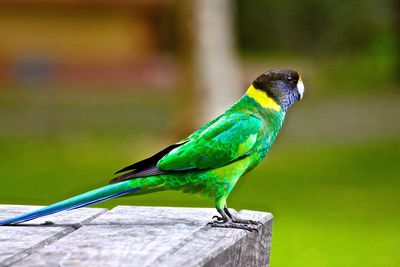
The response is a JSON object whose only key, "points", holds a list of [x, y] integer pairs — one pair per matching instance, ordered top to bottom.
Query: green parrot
{"points": [[211, 160]]}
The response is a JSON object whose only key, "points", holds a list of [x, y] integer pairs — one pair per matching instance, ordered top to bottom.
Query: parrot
{"points": [[209, 161]]}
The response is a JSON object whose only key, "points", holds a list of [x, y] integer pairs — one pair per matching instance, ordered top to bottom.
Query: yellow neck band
{"points": [[262, 98]]}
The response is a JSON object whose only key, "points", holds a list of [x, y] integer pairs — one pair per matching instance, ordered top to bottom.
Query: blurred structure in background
{"points": [[72, 41], [124, 43], [157, 44], [217, 68], [210, 80]]}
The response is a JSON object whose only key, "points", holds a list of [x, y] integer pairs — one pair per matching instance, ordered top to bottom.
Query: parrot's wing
{"points": [[227, 139], [218, 142], [149, 164]]}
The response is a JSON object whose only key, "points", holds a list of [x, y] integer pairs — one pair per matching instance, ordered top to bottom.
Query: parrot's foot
{"points": [[237, 219], [228, 221], [244, 221], [231, 224]]}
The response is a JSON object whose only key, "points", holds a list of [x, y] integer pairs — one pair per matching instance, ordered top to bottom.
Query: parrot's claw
{"points": [[217, 218], [239, 220], [244, 221], [231, 224]]}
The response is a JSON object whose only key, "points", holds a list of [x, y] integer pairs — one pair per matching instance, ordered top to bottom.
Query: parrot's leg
{"points": [[235, 218], [226, 220], [239, 220]]}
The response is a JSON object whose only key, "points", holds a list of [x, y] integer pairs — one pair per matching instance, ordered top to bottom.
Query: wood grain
{"points": [[18, 242]]}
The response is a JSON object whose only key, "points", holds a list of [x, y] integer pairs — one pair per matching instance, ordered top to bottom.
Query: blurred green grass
{"points": [[335, 198]]}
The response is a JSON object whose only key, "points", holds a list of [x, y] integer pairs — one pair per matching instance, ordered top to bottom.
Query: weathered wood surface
{"points": [[140, 236], [17, 242]]}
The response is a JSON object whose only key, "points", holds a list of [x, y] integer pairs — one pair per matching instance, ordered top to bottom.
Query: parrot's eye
{"points": [[289, 79]]}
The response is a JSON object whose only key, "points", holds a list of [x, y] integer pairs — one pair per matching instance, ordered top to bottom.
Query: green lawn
{"points": [[335, 200]]}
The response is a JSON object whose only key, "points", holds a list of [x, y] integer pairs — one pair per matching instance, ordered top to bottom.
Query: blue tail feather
{"points": [[86, 199], [104, 199]]}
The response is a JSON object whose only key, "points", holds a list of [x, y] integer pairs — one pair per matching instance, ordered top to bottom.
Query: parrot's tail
{"points": [[89, 198]]}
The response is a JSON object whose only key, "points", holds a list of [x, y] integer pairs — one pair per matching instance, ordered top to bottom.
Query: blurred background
{"points": [[90, 86]]}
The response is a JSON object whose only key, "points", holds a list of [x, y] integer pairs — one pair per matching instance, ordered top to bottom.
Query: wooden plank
{"points": [[158, 236], [20, 241], [225, 247]]}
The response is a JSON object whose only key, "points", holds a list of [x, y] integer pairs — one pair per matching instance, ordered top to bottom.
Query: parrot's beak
{"points": [[300, 88]]}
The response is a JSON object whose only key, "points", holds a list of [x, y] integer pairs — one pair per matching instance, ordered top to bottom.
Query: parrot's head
{"points": [[285, 87]]}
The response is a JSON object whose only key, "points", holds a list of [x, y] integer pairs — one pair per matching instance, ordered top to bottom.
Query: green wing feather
{"points": [[227, 139]]}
